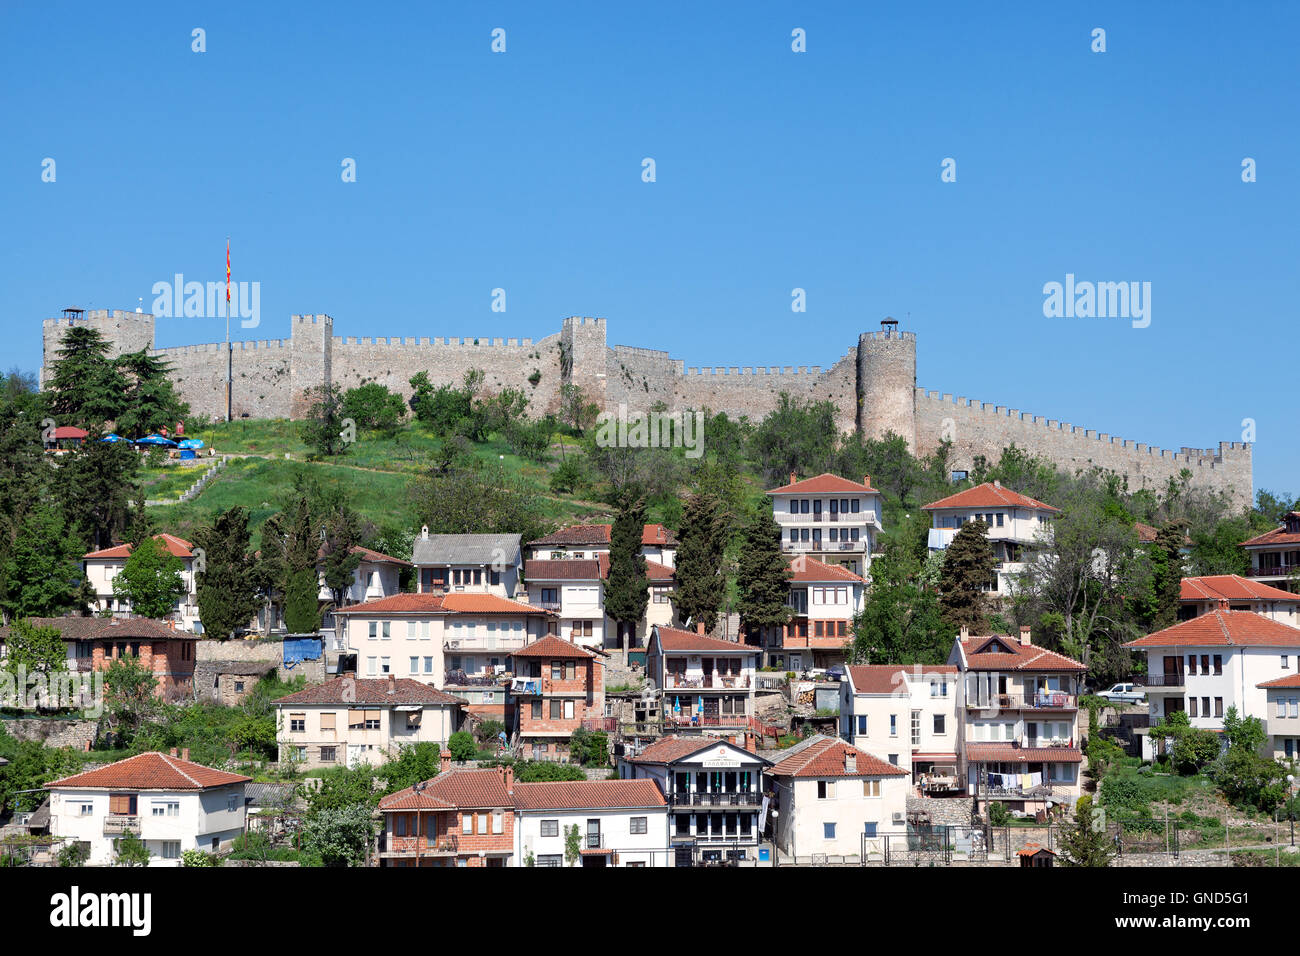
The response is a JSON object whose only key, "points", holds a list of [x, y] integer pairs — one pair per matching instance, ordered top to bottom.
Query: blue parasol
{"points": [[112, 437], [156, 440], [190, 443]]}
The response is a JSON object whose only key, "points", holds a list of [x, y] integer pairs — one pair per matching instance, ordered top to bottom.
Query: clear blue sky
{"points": [[775, 170]]}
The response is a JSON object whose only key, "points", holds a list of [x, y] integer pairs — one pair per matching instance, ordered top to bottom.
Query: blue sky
{"points": [[775, 170]]}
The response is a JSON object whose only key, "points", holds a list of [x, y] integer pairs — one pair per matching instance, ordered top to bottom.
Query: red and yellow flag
{"points": [[227, 270]]}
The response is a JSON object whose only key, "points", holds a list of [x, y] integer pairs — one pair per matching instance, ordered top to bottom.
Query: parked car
{"points": [[835, 672], [1125, 694]]}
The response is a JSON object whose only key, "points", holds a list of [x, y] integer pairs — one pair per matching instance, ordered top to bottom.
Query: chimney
{"points": [[792, 478], [866, 480], [997, 483], [424, 532], [1223, 604], [699, 627], [965, 632], [1025, 639], [392, 683], [173, 751], [185, 754], [444, 760], [850, 761], [508, 777]]}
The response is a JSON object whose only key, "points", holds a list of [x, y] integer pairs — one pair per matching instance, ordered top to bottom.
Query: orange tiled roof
{"points": [[826, 484], [988, 495], [655, 535], [1276, 536], [177, 547], [378, 557], [561, 569], [808, 570], [1233, 587], [425, 603], [466, 603], [109, 628], [1223, 629], [675, 639], [552, 646], [1014, 656], [878, 679], [1291, 680], [370, 690], [670, 749], [1005, 753], [825, 758], [150, 771], [473, 789], [588, 795]]}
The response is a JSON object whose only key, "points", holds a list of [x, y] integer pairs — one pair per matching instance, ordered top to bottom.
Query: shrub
{"points": [[462, 745], [999, 815]]}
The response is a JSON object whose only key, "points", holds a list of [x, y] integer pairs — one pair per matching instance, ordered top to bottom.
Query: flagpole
{"points": [[229, 354]]}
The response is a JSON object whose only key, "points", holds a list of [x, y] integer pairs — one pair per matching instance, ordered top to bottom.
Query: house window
{"points": [[374, 630], [1191, 663], [1218, 664], [1285, 664], [370, 665], [415, 665], [428, 665], [239, 687], [1191, 707], [1218, 707], [537, 710], [557, 710], [568, 710], [298, 723], [372, 723], [939, 724], [862, 725], [893, 725], [328, 754], [871, 788], [825, 789], [166, 808], [87, 809], [399, 824], [639, 825], [550, 828], [869, 828], [828, 831], [171, 849], [550, 860]]}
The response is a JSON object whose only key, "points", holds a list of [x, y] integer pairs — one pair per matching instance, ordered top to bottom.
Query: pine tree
{"points": [[85, 387], [149, 402], [292, 550], [968, 567], [42, 573], [763, 575], [1167, 577], [151, 579], [701, 583], [228, 585], [627, 590], [1086, 842]]}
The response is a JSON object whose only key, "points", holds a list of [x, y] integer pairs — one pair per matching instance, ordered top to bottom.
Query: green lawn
{"points": [[167, 483]]}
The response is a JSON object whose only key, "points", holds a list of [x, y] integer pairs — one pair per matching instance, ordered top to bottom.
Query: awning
{"points": [[409, 707], [595, 852]]}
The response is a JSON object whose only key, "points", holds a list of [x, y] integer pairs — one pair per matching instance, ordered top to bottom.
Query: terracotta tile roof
{"points": [[70, 431], [825, 484], [988, 495], [654, 535], [1276, 536], [173, 545], [378, 557], [561, 569], [654, 570], [808, 570], [1233, 587], [465, 603], [399, 604], [109, 628], [1223, 629], [675, 639], [552, 646], [1015, 656], [878, 679], [1291, 680], [365, 690], [670, 749], [1005, 753], [825, 758], [150, 771], [471, 789], [588, 795], [1033, 849]]}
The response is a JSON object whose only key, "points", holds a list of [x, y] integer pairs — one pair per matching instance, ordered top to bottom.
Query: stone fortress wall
{"points": [[873, 386]]}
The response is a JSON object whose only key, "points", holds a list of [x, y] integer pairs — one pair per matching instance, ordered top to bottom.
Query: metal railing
{"points": [[715, 681], [1042, 700], [606, 724], [732, 799]]}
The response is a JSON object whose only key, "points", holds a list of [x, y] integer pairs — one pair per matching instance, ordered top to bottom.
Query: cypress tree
{"points": [[339, 563], [968, 566], [764, 575], [1167, 576], [701, 583], [228, 585], [627, 591], [1086, 842]]}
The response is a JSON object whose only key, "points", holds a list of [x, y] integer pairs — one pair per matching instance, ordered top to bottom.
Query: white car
{"points": [[1125, 694]]}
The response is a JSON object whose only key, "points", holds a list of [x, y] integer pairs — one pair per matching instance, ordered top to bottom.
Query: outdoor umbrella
{"points": [[112, 437], [156, 440], [190, 443]]}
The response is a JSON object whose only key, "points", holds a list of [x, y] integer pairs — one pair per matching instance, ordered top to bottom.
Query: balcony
{"points": [[795, 547], [1276, 571], [547, 605], [462, 679], [1170, 680], [715, 681], [1036, 700], [730, 721], [605, 724], [736, 799], [120, 824]]}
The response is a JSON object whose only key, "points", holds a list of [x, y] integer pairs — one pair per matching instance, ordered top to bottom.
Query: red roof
{"points": [[70, 431], [826, 484], [988, 495], [653, 535], [1276, 536], [173, 545], [378, 557], [562, 569], [808, 570], [1232, 587], [456, 603], [465, 603], [1223, 629], [675, 639], [552, 646], [999, 653], [878, 679], [1291, 680], [362, 690], [670, 749], [1005, 753], [825, 758], [150, 771], [475, 789], [588, 795]]}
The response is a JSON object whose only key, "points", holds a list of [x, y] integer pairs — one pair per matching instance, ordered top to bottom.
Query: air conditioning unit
{"points": [[453, 644], [898, 817]]}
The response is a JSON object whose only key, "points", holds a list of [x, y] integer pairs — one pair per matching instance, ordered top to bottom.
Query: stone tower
{"points": [[124, 331], [311, 351], [584, 357], [887, 383]]}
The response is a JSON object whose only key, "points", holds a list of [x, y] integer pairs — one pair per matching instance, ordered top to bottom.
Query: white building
{"points": [[834, 518], [1015, 522], [1275, 555], [468, 563], [103, 566], [1205, 594], [824, 599], [1216, 661], [706, 683], [1282, 702], [906, 716], [353, 721], [834, 799], [168, 802], [620, 823]]}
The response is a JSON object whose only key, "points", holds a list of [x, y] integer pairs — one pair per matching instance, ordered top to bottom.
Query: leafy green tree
{"points": [[85, 387], [149, 402], [372, 406], [444, 407], [324, 428], [796, 435], [568, 476], [468, 501], [290, 552], [338, 558], [968, 566], [41, 574], [763, 575], [151, 579], [701, 584], [227, 588], [627, 590], [900, 621], [36, 649], [129, 693], [462, 745], [589, 747], [413, 763], [31, 766], [343, 787], [340, 835], [1085, 842], [572, 845], [130, 850], [73, 853], [199, 858]]}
